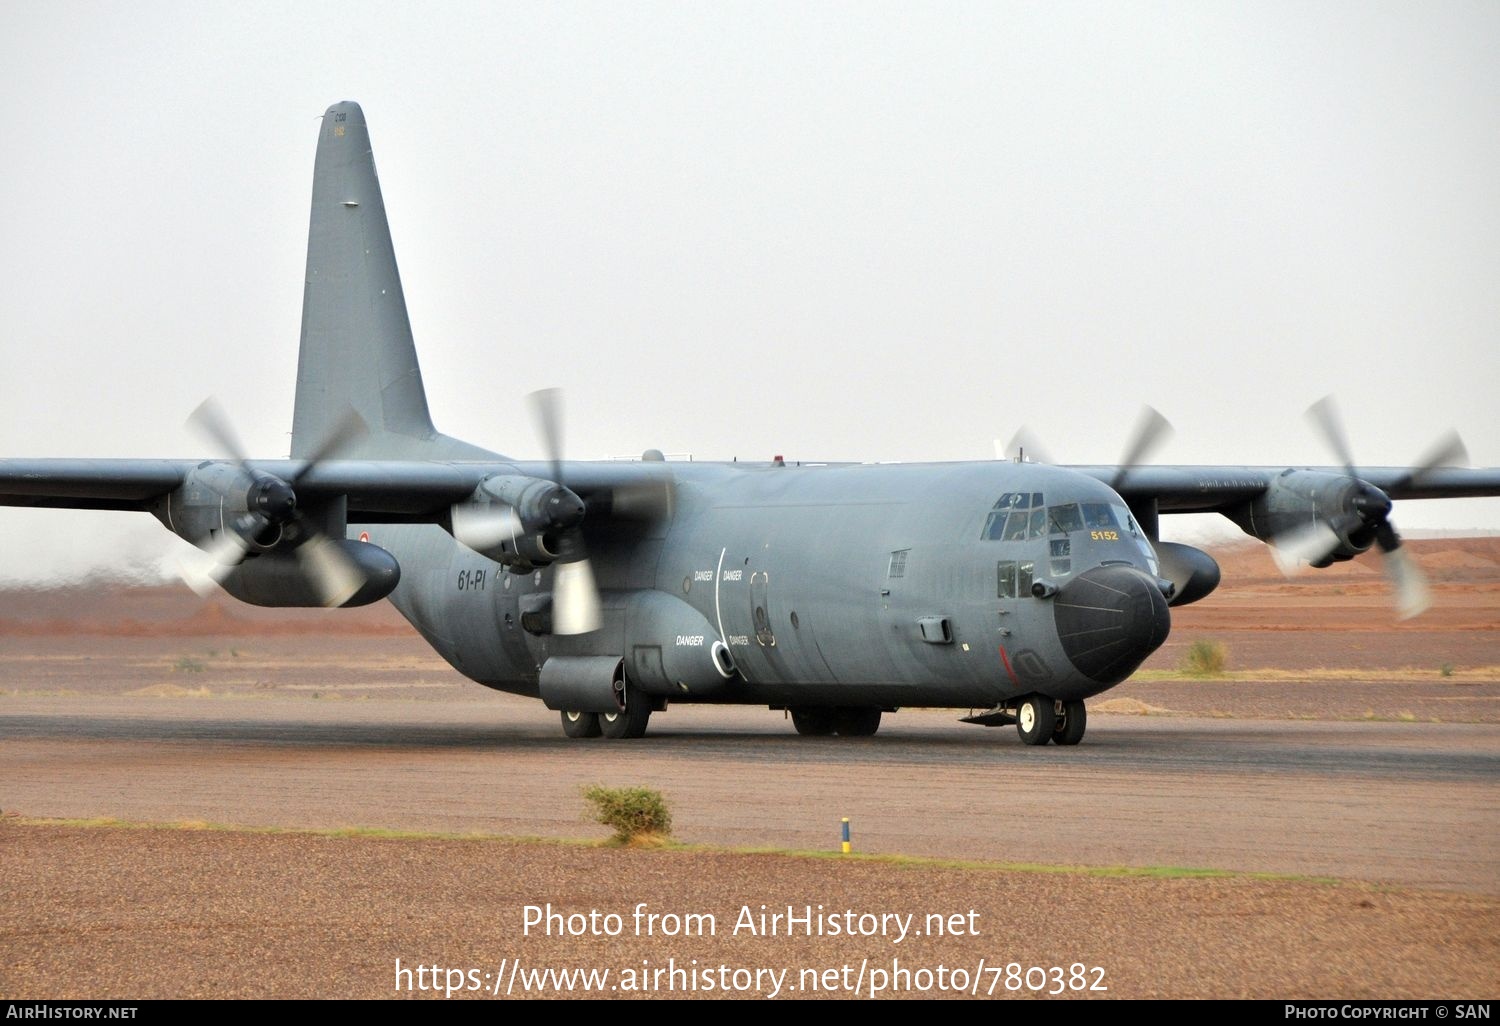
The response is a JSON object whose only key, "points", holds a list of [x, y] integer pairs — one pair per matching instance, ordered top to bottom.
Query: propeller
{"points": [[1150, 432], [272, 503], [1369, 507], [484, 526], [1303, 545], [204, 568], [575, 596]]}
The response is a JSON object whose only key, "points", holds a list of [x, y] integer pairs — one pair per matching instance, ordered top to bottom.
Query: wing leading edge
{"points": [[1215, 489], [376, 491]]}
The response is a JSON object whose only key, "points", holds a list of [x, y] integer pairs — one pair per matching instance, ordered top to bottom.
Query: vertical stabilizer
{"points": [[357, 348]]}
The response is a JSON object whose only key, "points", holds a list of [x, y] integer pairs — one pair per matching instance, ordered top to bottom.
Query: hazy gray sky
{"points": [[834, 231]]}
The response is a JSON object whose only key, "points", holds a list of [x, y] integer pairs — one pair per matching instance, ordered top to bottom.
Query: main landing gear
{"points": [[629, 712], [844, 721], [629, 722], [580, 724]]}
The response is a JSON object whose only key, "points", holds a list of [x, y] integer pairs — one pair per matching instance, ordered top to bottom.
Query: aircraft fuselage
{"points": [[868, 585]]}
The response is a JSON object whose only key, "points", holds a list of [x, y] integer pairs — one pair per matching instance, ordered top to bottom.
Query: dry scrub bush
{"points": [[1205, 658], [636, 814]]}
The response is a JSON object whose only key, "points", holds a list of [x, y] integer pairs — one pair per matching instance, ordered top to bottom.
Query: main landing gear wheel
{"points": [[1036, 718], [630, 722], [813, 722], [856, 722], [580, 724], [1069, 729]]}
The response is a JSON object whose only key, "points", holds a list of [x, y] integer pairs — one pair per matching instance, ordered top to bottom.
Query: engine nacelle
{"points": [[212, 498], [1300, 499], [535, 512], [1193, 571], [281, 579], [671, 650]]}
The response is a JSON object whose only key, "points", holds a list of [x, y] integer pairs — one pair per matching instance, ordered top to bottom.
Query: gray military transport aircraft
{"points": [[1015, 589]]}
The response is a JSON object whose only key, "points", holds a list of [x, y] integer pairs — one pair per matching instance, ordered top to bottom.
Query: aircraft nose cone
{"points": [[1109, 619]]}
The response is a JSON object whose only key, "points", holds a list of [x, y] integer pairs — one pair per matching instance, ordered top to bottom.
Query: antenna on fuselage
{"points": [[1018, 445]]}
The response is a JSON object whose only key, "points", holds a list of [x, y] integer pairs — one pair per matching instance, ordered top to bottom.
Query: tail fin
{"points": [[357, 348]]}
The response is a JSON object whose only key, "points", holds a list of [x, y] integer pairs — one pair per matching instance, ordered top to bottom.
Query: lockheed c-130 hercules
{"points": [[610, 589]]}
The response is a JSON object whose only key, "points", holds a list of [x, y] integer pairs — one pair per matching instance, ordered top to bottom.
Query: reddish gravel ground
{"points": [[154, 680], [134, 913]]}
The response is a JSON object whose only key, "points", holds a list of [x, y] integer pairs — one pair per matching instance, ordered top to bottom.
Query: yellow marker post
{"points": [[846, 835]]}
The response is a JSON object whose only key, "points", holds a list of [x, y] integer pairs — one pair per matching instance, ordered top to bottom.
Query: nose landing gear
{"points": [[1038, 719], [1071, 723]]}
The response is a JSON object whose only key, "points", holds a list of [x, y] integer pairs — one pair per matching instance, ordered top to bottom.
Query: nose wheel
{"points": [[1036, 717], [1040, 719], [1071, 724]]}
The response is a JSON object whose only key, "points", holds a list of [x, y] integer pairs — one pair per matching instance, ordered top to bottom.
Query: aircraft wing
{"points": [[89, 484], [1214, 489], [418, 490], [377, 491]]}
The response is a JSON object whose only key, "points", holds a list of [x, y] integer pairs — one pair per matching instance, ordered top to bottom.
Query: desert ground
{"points": [[204, 799]]}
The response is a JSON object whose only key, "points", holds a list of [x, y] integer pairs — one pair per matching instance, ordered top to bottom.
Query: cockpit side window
{"points": [[1097, 516]]}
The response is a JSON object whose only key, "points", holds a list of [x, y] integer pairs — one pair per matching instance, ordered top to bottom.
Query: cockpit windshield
{"points": [[1023, 516], [1016, 517], [1065, 518]]}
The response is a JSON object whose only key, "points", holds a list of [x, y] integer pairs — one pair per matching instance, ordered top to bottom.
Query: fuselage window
{"points": [[1015, 526], [1062, 557], [898, 563], [1006, 569], [1014, 579]]}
